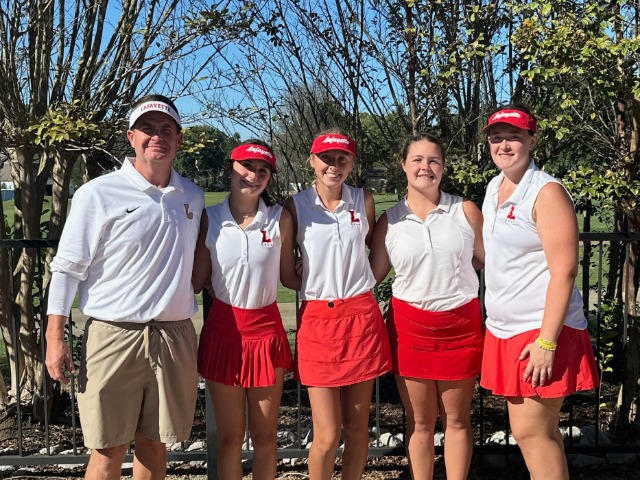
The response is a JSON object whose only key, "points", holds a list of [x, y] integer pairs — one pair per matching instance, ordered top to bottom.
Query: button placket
{"points": [[165, 205], [336, 227], [427, 230], [426, 233], [245, 247]]}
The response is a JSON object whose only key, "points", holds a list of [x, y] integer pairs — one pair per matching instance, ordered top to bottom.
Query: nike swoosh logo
{"points": [[129, 210]]}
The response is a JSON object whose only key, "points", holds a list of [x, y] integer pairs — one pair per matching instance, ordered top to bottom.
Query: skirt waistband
{"points": [[340, 307], [471, 309], [254, 322]]}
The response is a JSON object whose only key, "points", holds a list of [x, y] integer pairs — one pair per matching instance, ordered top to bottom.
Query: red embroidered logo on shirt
{"points": [[187, 212], [510, 215], [355, 217], [266, 241]]}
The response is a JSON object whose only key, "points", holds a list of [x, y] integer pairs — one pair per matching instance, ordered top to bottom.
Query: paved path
{"points": [[287, 310]]}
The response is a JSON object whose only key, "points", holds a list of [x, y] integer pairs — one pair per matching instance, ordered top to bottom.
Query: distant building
{"points": [[376, 179], [6, 184]]}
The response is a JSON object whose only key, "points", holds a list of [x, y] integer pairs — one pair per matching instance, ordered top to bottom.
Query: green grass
{"points": [[214, 198], [384, 201], [9, 209], [4, 361]]}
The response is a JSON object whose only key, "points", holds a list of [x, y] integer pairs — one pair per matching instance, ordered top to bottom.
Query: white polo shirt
{"points": [[129, 245], [432, 259], [335, 263], [245, 264], [516, 270]]}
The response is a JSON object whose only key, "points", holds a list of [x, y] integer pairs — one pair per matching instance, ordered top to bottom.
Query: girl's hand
{"points": [[540, 366]]}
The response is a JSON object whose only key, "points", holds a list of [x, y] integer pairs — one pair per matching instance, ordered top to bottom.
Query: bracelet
{"points": [[546, 344]]}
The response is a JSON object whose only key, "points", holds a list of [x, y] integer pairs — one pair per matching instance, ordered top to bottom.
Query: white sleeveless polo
{"points": [[432, 259], [335, 263], [245, 264], [516, 270]]}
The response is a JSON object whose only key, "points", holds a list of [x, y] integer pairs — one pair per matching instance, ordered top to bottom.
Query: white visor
{"points": [[153, 106]]}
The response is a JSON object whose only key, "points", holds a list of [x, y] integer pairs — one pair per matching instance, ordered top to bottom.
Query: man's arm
{"points": [[62, 291]]}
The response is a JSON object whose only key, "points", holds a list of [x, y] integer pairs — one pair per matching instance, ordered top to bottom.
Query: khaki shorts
{"points": [[137, 378]]}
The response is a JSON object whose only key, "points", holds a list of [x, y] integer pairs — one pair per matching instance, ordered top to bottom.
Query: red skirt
{"points": [[341, 342], [435, 345], [243, 347], [574, 366]]}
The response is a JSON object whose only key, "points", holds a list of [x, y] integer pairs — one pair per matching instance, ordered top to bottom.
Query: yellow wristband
{"points": [[546, 344]]}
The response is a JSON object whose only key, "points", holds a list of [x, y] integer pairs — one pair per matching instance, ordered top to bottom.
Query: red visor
{"points": [[517, 118], [334, 141], [251, 151]]}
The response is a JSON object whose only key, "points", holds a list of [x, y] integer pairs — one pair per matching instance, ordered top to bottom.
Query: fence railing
{"points": [[587, 409]]}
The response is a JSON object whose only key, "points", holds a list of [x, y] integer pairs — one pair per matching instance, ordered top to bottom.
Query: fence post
{"points": [[211, 428], [212, 439]]}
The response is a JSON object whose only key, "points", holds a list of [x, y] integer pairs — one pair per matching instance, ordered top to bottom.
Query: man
{"points": [[127, 248]]}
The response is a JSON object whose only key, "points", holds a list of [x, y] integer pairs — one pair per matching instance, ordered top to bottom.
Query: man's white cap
{"points": [[154, 106]]}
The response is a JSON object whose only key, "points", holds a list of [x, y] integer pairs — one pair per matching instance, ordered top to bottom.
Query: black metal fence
{"points": [[592, 409]]}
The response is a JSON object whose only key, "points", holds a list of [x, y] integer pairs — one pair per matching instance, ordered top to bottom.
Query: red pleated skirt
{"points": [[341, 342], [435, 345], [243, 347], [574, 366]]}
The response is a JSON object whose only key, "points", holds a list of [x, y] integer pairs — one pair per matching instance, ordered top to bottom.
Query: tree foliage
{"points": [[203, 155]]}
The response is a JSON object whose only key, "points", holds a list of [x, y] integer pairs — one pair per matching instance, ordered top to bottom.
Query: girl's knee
{"points": [[457, 423], [422, 424], [357, 436], [530, 438], [230, 440], [264, 440], [326, 440]]}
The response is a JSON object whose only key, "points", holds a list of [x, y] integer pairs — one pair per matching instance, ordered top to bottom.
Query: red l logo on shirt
{"points": [[510, 215], [355, 217], [266, 241]]}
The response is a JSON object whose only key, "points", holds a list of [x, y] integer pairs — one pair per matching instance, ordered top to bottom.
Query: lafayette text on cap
{"points": [[154, 106]]}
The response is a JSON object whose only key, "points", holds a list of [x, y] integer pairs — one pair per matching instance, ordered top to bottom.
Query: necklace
{"points": [[244, 215]]}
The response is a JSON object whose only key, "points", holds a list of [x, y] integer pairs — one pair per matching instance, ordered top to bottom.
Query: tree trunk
{"points": [[61, 174], [5, 299], [31, 366], [629, 394]]}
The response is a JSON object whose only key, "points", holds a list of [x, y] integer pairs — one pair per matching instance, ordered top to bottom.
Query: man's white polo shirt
{"points": [[130, 246]]}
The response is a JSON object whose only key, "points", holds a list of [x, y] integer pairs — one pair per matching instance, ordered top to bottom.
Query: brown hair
{"points": [[418, 138]]}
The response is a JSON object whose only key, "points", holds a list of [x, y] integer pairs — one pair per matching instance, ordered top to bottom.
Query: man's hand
{"points": [[58, 353], [59, 358]]}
